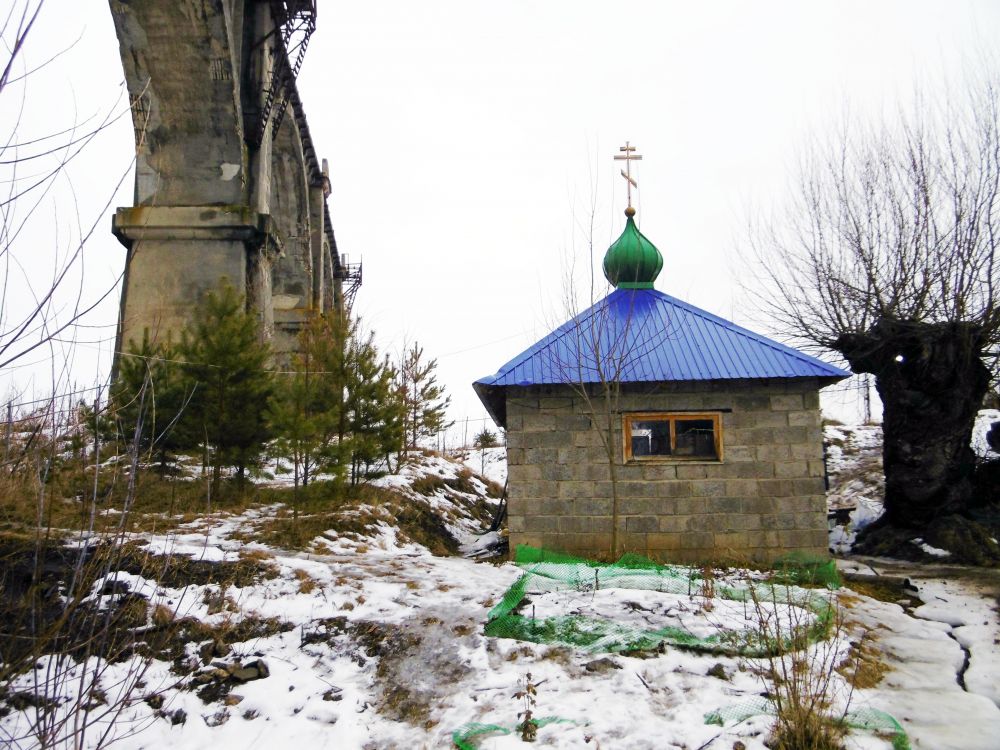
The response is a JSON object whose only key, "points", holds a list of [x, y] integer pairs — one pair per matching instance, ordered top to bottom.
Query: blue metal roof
{"points": [[644, 336]]}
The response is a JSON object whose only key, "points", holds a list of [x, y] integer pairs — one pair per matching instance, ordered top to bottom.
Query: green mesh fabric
{"points": [[801, 569], [547, 571], [865, 719], [467, 736]]}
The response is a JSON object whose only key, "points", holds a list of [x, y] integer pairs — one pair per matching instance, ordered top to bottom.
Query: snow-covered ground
{"points": [[381, 646]]}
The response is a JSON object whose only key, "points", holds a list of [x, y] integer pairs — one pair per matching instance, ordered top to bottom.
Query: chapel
{"points": [[645, 424]]}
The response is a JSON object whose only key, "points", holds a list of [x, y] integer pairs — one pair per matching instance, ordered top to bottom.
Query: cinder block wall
{"points": [[764, 499]]}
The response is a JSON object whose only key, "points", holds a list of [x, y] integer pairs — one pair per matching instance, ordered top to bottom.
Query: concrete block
{"points": [[751, 402], [787, 402], [803, 418], [539, 422], [765, 435], [792, 435], [806, 451], [773, 452], [739, 454], [568, 455], [541, 456], [791, 469], [688, 471], [558, 472], [597, 472], [658, 472], [810, 486], [776, 487], [742, 488], [632, 489], [676, 489], [709, 489], [574, 490], [689, 505], [722, 505], [759, 505], [595, 506], [637, 506], [554, 507], [810, 521], [701, 522], [541, 524], [575, 524], [601, 524], [642, 524], [674, 524], [530, 539], [766, 539], [698, 540], [635, 542], [663, 542], [731, 543]]}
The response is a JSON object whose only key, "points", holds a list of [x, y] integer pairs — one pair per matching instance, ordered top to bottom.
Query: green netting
{"points": [[806, 570], [547, 571], [866, 719], [467, 735]]}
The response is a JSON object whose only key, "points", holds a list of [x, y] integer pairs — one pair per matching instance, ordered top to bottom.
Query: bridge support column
{"points": [[178, 253]]}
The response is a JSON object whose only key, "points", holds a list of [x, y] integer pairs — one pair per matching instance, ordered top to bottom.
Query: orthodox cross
{"points": [[628, 157]]}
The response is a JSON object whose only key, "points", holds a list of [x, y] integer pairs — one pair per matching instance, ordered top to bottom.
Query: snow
{"points": [[984, 421], [932, 551], [925, 651], [408, 664]]}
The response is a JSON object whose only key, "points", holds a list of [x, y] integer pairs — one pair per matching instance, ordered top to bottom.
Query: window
{"points": [[676, 436]]}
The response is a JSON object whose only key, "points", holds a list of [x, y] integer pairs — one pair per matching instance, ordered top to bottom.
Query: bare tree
{"points": [[888, 256], [33, 312]]}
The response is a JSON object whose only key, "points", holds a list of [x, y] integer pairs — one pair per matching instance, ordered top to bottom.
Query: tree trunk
{"points": [[932, 381]]}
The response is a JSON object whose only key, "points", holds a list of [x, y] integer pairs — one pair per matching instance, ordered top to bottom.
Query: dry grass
{"points": [[353, 516], [307, 584], [864, 666]]}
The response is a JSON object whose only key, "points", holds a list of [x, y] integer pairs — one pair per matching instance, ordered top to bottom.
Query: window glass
{"points": [[679, 436], [695, 437], [651, 438]]}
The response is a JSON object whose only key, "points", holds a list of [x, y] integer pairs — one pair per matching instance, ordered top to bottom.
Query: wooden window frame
{"points": [[672, 417]]}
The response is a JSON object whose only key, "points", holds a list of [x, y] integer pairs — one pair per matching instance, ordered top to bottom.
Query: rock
{"points": [[115, 587], [213, 650], [602, 666], [261, 667], [254, 670], [719, 671], [212, 674], [334, 694], [232, 699], [217, 719]]}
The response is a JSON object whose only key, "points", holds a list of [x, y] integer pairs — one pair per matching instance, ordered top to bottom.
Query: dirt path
{"points": [[943, 654]]}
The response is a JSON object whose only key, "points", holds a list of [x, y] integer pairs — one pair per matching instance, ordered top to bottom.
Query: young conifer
{"points": [[225, 357], [425, 400]]}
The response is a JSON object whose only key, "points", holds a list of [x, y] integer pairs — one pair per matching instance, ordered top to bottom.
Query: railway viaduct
{"points": [[227, 181]]}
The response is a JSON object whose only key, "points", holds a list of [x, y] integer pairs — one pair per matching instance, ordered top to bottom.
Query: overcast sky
{"points": [[468, 139]]}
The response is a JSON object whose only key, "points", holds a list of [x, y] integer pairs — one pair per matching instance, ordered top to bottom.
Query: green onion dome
{"points": [[632, 261]]}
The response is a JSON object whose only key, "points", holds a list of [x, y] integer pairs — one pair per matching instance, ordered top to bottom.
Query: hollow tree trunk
{"points": [[931, 379]]}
